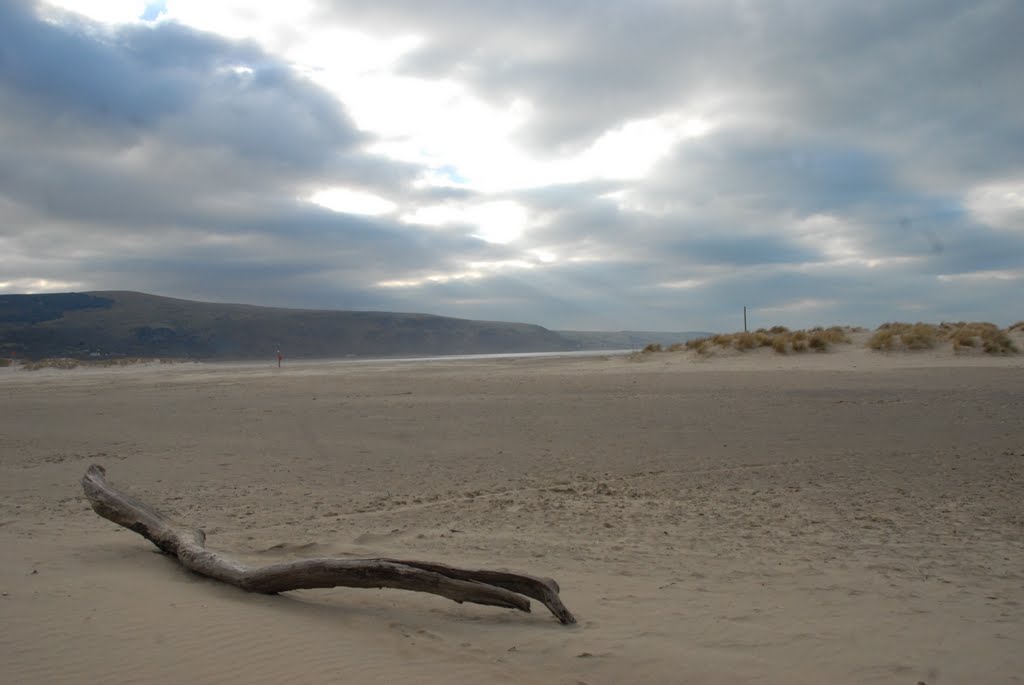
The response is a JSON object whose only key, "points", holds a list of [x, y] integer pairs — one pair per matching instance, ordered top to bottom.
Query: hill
{"points": [[114, 323]]}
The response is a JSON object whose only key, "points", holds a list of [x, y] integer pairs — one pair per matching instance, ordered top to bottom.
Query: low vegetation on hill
{"points": [[112, 325], [962, 336], [779, 338], [72, 363]]}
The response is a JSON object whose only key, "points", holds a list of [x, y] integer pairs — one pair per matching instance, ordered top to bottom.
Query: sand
{"points": [[849, 517]]}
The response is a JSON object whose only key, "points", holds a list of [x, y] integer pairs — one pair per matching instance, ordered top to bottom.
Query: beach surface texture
{"points": [[841, 517]]}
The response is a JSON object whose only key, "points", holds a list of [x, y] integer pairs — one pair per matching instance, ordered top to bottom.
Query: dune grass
{"points": [[896, 335], [963, 336], [779, 338], [745, 341]]}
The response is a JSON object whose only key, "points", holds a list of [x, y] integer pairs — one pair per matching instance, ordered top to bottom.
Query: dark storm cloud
{"points": [[75, 73], [77, 78], [169, 80], [166, 159], [769, 173], [770, 186], [755, 187], [298, 254]]}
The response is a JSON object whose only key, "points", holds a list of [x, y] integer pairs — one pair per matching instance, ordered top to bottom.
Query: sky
{"points": [[579, 164]]}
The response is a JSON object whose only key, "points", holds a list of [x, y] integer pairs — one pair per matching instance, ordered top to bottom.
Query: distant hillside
{"points": [[135, 324], [627, 340]]}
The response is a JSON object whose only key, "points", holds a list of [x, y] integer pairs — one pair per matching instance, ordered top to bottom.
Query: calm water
{"points": [[458, 357]]}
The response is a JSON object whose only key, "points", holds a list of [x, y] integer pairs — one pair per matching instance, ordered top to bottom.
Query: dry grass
{"points": [[983, 334], [834, 335], [896, 335], [967, 335], [892, 336], [920, 336], [963, 336], [779, 338], [722, 339], [883, 339], [961, 340], [746, 341], [818, 342], [998, 342], [698, 345], [652, 347], [5, 362]]}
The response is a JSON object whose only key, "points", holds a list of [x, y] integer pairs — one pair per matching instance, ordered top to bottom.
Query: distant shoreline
{"points": [[70, 363]]}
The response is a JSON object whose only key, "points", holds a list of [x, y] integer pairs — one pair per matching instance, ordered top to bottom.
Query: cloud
{"points": [[587, 66], [160, 139], [577, 164]]}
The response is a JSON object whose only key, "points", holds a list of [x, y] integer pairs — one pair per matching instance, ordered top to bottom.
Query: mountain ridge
{"points": [[128, 323]]}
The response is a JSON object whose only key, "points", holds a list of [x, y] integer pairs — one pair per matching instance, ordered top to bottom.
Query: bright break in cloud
{"points": [[644, 165]]}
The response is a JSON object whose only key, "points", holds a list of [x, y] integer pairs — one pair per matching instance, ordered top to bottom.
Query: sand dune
{"points": [[849, 517]]}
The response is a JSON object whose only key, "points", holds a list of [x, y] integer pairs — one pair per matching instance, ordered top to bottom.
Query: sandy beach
{"points": [[847, 517]]}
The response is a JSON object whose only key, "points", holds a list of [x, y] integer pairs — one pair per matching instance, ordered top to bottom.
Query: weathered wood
{"points": [[478, 586]]}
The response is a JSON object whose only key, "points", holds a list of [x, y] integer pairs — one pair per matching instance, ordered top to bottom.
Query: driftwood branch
{"points": [[479, 586]]}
